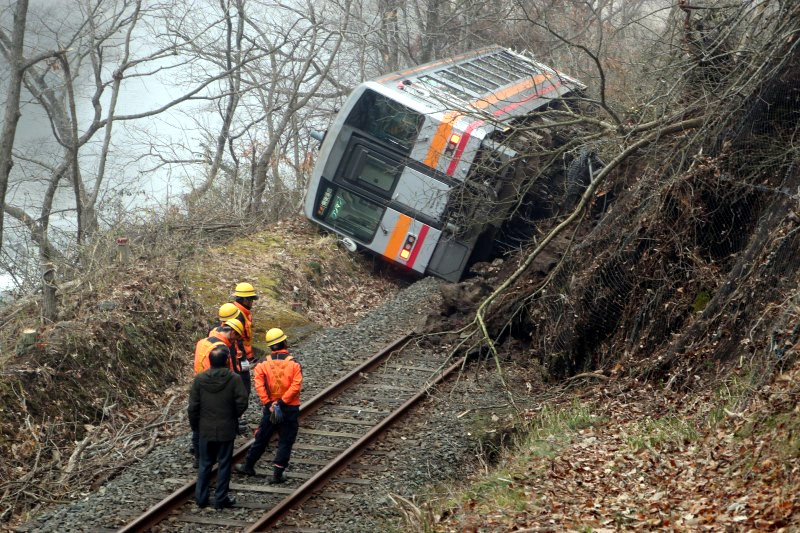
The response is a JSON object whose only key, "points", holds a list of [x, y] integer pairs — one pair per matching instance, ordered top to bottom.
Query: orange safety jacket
{"points": [[247, 338], [203, 348], [236, 348], [279, 377]]}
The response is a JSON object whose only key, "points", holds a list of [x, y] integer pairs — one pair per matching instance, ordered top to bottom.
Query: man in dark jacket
{"points": [[216, 401]]}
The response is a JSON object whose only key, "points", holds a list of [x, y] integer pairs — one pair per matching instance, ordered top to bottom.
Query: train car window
{"points": [[533, 65], [495, 68], [522, 68], [490, 79], [484, 81], [438, 85], [476, 89], [386, 120], [369, 169], [378, 173], [348, 212]]}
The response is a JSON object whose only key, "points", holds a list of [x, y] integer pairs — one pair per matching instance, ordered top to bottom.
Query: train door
{"points": [[415, 202]]}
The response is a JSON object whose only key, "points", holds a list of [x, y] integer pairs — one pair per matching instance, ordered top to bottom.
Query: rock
{"points": [[462, 296], [107, 305]]}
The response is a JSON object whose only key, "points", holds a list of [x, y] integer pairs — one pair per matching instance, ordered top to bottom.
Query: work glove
{"points": [[244, 364], [275, 414]]}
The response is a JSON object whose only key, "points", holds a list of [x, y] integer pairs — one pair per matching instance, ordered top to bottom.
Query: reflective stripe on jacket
{"points": [[247, 338], [203, 348], [236, 348], [279, 377]]}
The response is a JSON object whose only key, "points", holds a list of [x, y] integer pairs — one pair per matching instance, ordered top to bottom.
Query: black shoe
{"points": [[196, 462], [242, 469], [278, 477], [228, 502], [202, 505]]}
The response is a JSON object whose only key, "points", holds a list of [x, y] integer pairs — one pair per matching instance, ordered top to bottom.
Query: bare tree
{"points": [[97, 49], [229, 57], [17, 63], [12, 114]]}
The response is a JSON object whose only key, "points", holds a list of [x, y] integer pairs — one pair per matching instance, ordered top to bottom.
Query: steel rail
{"points": [[305, 491], [162, 509]]}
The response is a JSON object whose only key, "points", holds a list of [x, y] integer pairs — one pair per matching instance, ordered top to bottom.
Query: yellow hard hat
{"points": [[244, 290], [228, 311], [236, 326], [274, 336]]}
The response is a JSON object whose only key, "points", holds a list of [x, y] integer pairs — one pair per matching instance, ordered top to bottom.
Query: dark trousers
{"points": [[246, 380], [287, 432], [213, 452]]}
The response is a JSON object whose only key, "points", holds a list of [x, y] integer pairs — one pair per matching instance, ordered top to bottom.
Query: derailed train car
{"points": [[423, 166]]}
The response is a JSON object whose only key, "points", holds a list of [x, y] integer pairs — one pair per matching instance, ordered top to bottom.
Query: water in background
{"points": [[131, 183]]}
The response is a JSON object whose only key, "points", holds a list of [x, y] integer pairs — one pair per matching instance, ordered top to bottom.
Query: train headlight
{"points": [[452, 143], [405, 252]]}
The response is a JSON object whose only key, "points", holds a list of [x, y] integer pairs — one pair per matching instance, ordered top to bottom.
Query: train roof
{"points": [[493, 80]]}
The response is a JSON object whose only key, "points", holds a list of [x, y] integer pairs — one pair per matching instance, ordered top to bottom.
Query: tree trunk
{"points": [[431, 32], [389, 45], [233, 58], [12, 113], [259, 185], [49, 303]]}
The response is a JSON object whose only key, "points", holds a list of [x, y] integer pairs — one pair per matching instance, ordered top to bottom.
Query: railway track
{"points": [[337, 426]]}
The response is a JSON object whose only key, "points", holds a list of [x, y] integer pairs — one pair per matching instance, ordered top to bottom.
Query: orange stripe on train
{"points": [[483, 103], [440, 139], [398, 236]]}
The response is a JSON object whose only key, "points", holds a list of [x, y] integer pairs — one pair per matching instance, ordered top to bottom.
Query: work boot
{"points": [[245, 470], [278, 476], [228, 502]]}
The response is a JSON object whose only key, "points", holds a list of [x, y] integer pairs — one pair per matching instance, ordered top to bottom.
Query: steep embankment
{"points": [[303, 279], [668, 321]]}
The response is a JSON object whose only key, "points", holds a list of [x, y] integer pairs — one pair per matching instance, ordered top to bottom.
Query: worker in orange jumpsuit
{"points": [[244, 296], [229, 311], [230, 332], [225, 335], [278, 380]]}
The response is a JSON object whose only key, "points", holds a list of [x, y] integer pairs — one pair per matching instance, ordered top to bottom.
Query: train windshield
{"points": [[386, 120], [370, 169], [348, 212]]}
